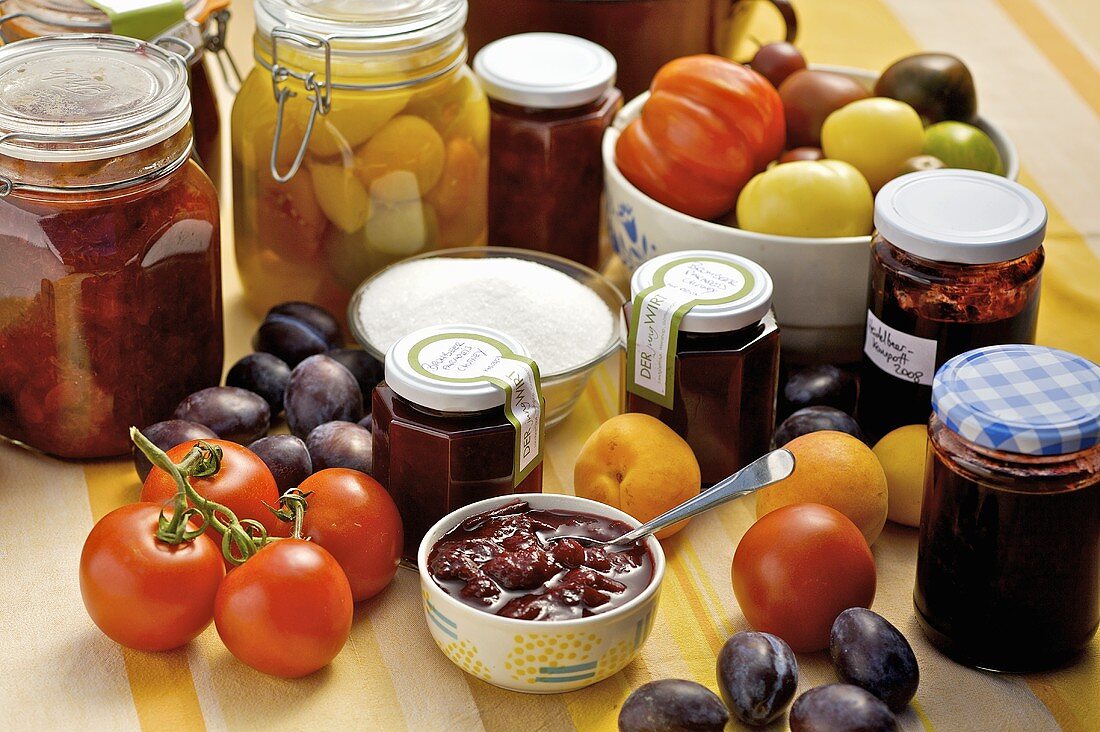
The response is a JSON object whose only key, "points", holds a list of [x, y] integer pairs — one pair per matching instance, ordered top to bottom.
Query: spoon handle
{"points": [[771, 468]]}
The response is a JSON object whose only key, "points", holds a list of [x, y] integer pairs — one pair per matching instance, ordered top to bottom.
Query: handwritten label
{"points": [[908, 357]]}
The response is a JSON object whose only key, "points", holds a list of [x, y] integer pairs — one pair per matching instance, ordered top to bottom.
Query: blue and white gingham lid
{"points": [[1019, 398]]}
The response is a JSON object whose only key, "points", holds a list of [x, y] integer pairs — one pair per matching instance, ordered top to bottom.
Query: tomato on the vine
{"points": [[352, 516], [797, 568], [142, 592], [287, 610]]}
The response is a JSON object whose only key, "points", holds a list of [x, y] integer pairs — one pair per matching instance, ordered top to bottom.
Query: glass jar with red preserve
{"points": [[199, 23], [551, 97], [955, 265], [110, 280], [703, 355], [459, 418], [1008, 565]]}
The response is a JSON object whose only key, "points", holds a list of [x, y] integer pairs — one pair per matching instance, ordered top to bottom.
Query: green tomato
{"points": [[876, 135], [960, 145], [811, 198]]}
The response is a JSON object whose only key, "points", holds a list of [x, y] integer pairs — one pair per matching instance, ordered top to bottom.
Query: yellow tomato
{"points": [[876, 135], [814, 198]]}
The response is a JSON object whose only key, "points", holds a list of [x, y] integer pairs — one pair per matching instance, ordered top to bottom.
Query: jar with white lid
{"points": [[551, 97], [360, 138], [956, 264], [110, 268], [703, 355], [458, 419]]}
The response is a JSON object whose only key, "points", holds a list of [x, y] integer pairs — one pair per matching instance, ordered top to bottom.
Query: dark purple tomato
{"points": [[777, 61], [938, 85], [809, 96], [802, 153], [316, 317], [288, 339], [366, 369], [263, 374], [819, 385], [321, 390], [234, 414], [815, 419], [367, 422], [166, 435], [340, 445], [286, 457], [871, 653], [757, 676], [669, 705], [839, 707]]}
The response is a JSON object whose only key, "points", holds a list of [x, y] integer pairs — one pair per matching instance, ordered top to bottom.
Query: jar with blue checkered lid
{"points": [[1008, 565]]}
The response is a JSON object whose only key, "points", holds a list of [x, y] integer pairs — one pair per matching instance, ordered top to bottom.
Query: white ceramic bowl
{"points": [[820, 284], [534, 656]]}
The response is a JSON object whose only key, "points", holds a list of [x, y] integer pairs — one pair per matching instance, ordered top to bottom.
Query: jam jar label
{"points": [[677, 287], [899, 354], [471, 357]]}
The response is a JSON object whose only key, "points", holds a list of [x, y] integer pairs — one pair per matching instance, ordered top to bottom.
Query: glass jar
{"points": [[201, 27], [551, 97], [373, 147], [955, 265], [110, 279], [703, 355], [458, 419], [1008, 565]]}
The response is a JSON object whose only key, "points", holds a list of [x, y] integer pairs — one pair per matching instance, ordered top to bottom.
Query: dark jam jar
{"points": [[551, 98], [955, 265], [110, 277], [703, 355], [457, 420], [1008, 565]]}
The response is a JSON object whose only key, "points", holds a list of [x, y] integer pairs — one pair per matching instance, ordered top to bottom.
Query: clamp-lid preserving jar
{"points": [[373, 146], [956, 263], [110, 274], [703, 355], [458, 419], [1008, 564]]}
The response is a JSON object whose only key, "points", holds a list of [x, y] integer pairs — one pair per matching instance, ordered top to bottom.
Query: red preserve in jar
{"points": [[551, 98], [955, 265], [110, 280], [703, 355], [458, 419], [1008, 565]]}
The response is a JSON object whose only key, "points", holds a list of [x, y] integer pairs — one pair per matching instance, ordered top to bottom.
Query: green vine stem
{"points": [[292, 509], [240, 539]]}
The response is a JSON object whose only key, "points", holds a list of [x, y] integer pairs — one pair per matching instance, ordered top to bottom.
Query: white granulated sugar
{"points": [[561, 322]]}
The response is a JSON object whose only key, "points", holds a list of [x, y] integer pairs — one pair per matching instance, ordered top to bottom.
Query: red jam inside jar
{"points": [[551, 98], [111, 289], [504, 562]]}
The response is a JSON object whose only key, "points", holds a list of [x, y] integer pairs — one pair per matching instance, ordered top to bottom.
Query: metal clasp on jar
{"points": [[214, 39], [320, 90]]}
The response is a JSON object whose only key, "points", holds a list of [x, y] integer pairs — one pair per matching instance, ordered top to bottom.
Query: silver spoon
{"points": [[762, 472]]}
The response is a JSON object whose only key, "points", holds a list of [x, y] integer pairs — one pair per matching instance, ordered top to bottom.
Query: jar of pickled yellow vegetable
{"points": [[360, 138]]}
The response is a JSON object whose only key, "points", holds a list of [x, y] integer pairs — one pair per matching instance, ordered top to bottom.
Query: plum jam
{"points": [[551, 98], [956, 265], [110, 278], [715, 384], [440, 443], [503, 561], [1008, 565]]}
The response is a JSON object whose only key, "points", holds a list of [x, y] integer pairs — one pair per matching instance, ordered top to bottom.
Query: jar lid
{"points": [[363, 20], [545, 70], [88, 97], [961, 216], [742, 287], [421, 366], [1020, 398]]}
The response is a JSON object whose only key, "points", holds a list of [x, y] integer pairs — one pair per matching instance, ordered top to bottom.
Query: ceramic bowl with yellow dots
{"points": [[538, 656]]}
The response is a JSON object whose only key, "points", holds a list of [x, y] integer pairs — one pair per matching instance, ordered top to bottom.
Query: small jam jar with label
{"points": [[955, 265], [703, 355], [458, 419], [1008, 565]]}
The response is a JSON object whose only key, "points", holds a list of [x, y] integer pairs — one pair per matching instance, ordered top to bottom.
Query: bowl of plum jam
{"points": [[511, 605]]}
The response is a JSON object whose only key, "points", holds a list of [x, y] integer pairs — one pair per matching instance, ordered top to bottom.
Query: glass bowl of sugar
{"points": [[569, 317]]}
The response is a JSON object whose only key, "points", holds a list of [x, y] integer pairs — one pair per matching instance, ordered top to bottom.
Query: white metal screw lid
{"points": [[545, 70], [961, 216], [747, 306], [409, 378]]}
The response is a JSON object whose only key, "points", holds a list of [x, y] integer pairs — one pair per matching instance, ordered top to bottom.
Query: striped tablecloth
{"points": [[1037, 66]]}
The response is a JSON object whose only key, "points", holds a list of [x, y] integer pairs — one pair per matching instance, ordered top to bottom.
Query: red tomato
{"points": [[243, 483], [352, 516], [799, 567], [141, 592], [287, 610]]}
